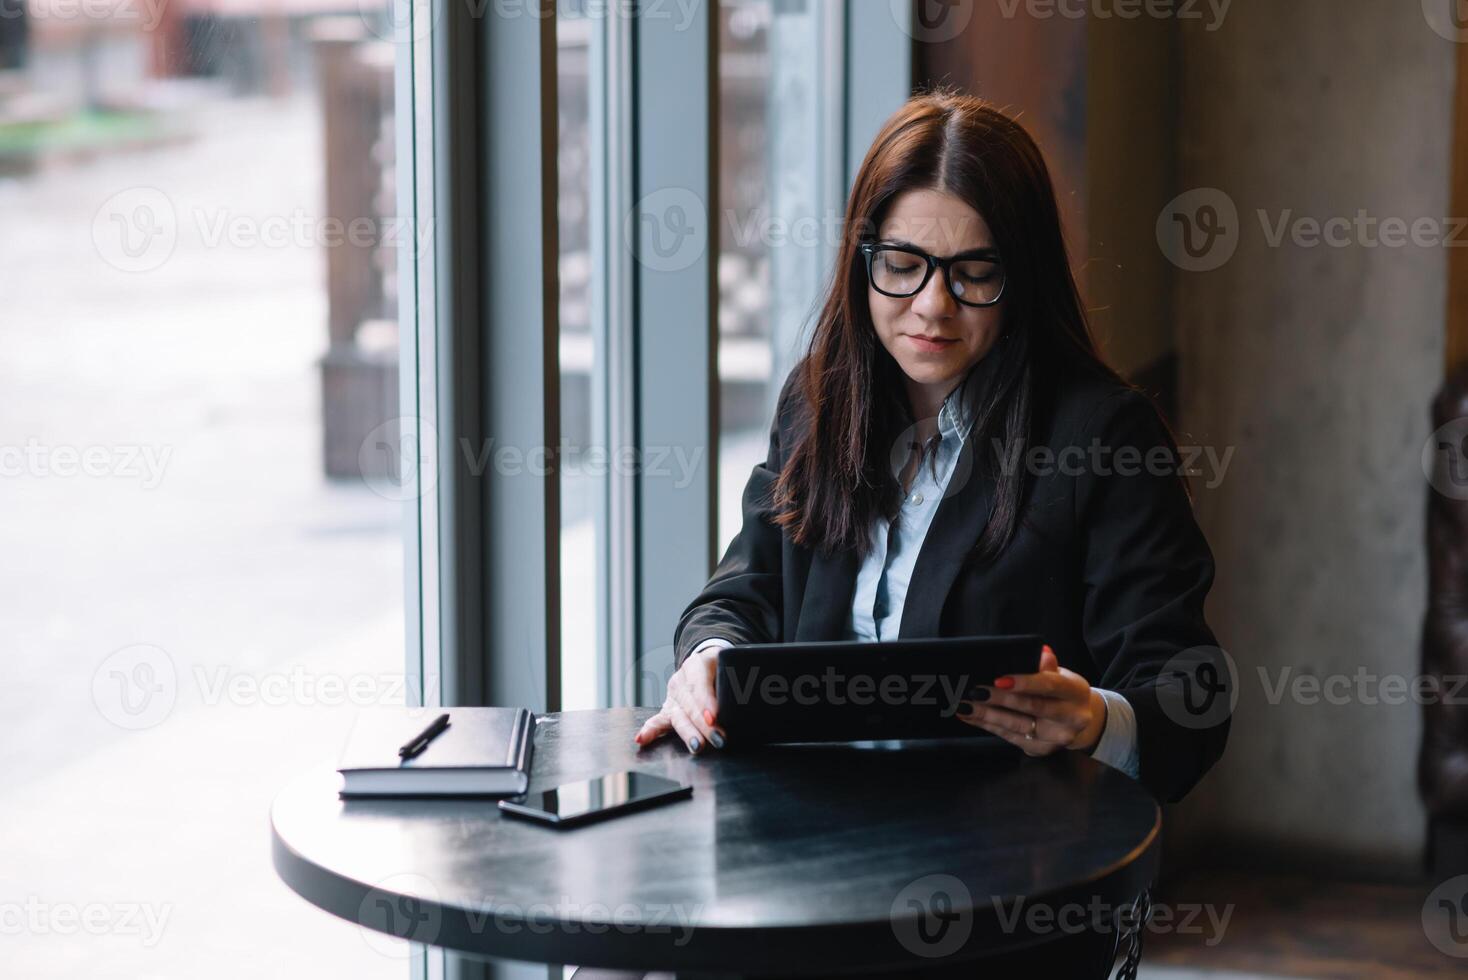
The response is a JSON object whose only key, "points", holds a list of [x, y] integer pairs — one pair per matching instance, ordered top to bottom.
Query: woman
{"points": [[951, 457]]}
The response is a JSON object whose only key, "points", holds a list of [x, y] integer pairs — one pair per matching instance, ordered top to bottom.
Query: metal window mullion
{"points": [[413, 90], [458, 124], [676, 186], [518, 283], [614, 360], [488, 368], [417, 388]]}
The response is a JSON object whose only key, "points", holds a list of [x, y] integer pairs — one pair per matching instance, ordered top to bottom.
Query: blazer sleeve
{"points": [[1147, 569], [742, 601]]}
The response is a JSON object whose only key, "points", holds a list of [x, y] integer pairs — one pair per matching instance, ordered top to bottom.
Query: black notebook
{"points": [[482, 752]]}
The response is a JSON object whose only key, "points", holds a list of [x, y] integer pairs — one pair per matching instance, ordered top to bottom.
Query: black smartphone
{"points": [[574, 804]]}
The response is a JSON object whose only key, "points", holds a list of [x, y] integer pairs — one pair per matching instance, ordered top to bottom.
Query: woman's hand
{"points": [[691, 705], [1056, 708]]}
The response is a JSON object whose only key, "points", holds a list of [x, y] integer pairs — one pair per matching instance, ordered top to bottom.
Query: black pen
{"points": [[420, 741]]}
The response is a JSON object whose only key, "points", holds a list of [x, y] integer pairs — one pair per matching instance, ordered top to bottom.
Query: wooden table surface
{"points": [[825, 857]]}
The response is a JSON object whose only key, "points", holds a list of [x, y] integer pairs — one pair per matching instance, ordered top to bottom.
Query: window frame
{"points": [[480, 139]]}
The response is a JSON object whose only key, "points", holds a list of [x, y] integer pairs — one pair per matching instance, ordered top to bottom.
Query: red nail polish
{"points": [[1047, 649], [1004, 683], [708, 716]]}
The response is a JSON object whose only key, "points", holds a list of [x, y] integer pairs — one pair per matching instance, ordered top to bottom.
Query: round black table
{"points": [[791, 859]]}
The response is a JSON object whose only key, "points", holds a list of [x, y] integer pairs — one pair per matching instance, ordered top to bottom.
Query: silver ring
{"points": [[1034, 723]]}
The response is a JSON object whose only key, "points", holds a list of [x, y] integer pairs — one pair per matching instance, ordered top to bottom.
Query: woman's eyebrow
{"points": [[979, 252]]}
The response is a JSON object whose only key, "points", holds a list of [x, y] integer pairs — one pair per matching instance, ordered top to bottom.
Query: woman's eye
{"points": [[978, 274]]}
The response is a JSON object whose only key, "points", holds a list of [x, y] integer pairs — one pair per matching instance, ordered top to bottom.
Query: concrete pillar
{"points": [[1317, 363]]}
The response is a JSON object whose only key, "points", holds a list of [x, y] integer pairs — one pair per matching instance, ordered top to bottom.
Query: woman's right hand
{"points": [[691, 707]]}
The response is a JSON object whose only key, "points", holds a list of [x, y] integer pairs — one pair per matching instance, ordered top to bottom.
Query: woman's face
{"points": [[933, 337]]}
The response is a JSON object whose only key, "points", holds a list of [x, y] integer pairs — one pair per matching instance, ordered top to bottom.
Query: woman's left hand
{"points": [[1042, 712]]}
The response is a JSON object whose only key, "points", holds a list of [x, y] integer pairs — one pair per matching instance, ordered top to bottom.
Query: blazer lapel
{"points": [[957, 524], [826, 606]]}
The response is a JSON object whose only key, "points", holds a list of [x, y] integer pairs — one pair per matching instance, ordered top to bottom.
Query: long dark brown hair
{"points": [[837, 477]]}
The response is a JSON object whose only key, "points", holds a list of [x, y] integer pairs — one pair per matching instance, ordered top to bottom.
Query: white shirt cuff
{"points": [[717, 642], [1117, 746]]}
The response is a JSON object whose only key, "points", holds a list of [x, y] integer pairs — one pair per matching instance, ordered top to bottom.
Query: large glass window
{"points": [[780, 200], [199, 467], [582, 478]]}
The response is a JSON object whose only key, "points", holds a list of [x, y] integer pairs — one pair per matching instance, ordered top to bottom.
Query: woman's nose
{"points": [[935, 300]]}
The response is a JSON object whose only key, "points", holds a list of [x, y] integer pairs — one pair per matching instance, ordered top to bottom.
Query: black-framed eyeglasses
{"points": [[974, 278]]}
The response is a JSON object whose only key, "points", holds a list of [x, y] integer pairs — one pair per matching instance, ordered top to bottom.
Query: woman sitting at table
{"points": [[951, 457]]}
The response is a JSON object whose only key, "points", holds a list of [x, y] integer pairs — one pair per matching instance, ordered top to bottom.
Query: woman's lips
{"points": [[931, 344]]}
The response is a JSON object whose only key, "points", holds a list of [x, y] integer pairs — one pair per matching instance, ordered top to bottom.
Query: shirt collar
{"points": [[956, 415]]}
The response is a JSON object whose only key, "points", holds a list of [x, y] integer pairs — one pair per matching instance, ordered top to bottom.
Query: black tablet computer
{"points": [[847, 690]]}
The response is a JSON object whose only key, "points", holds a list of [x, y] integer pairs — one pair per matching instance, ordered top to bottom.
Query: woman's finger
{"points": [[1047, 683], [707, 686], [1027, 703], [1061, 711], [697, 713], [1013, 723], [685, 728], [653, 729], [1032, 746]]}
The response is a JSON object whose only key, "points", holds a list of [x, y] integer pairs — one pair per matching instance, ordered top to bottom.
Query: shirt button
{"points": [[917, 498]]}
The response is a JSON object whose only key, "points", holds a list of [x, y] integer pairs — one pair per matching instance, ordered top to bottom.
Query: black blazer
{"points": [[1109, 567]]}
